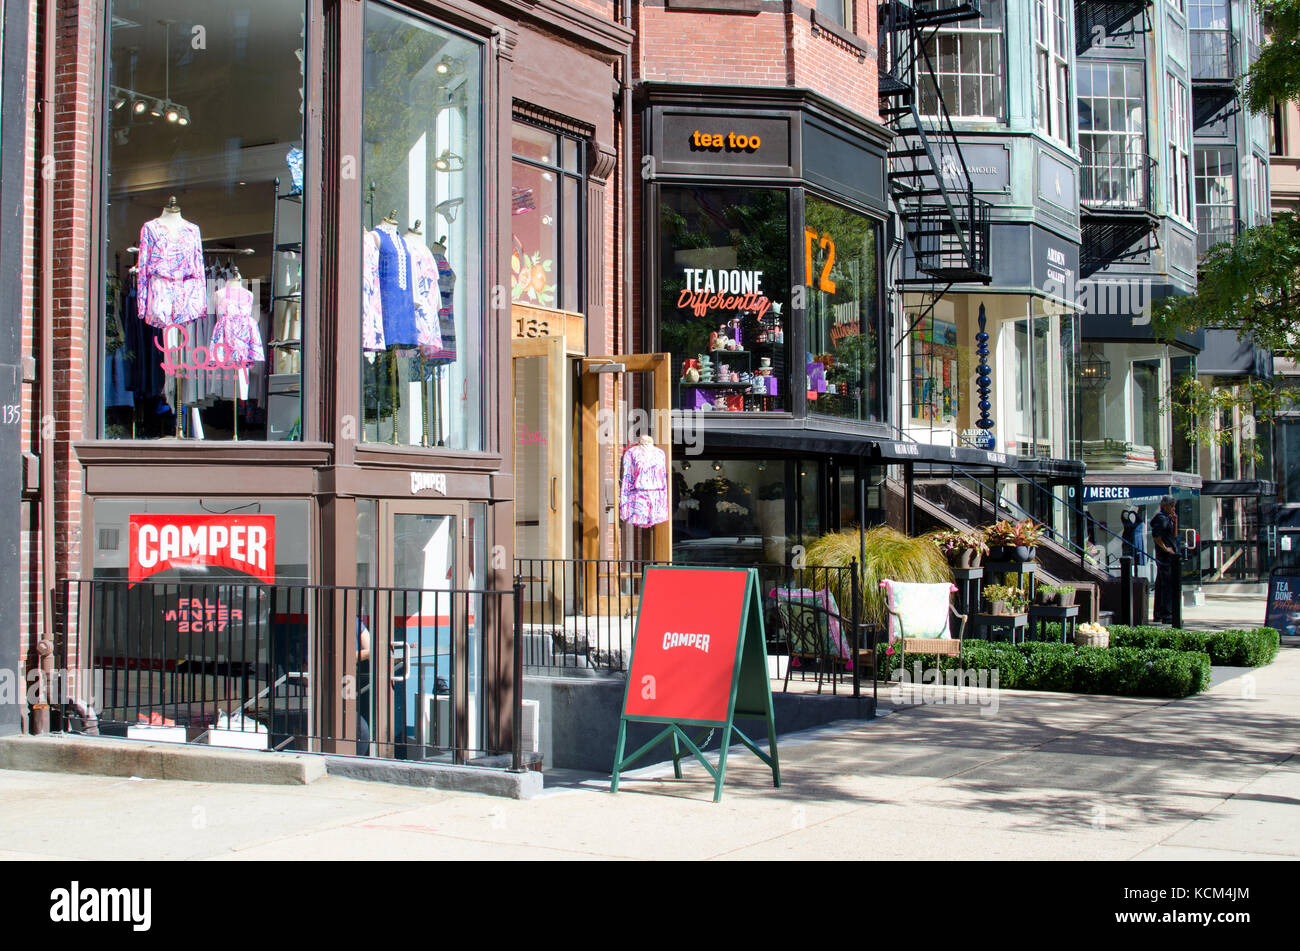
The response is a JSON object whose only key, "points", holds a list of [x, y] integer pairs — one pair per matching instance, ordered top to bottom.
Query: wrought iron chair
{"points": [[816, 633]]}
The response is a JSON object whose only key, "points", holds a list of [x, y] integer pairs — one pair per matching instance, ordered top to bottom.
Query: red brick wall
{"points": [[764, 49]]}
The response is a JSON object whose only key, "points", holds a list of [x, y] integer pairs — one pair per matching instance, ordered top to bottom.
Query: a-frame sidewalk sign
{"points": [[699, 659]]}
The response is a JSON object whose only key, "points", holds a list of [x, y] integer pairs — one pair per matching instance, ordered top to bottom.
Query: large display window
{"points": [[422, 265], [841, 279], [725, 284], [202, 317], [1120, 394]]}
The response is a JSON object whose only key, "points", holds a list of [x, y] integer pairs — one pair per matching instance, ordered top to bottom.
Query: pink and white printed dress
{"points": [[170, 284], [237, 333], [643, 495]]}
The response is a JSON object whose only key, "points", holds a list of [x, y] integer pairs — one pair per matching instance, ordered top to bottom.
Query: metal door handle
{"points": [[553, 481]]}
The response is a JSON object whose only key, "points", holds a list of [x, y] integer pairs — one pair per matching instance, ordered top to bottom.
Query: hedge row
{"points": [[1236, 648], [1039, 665]]}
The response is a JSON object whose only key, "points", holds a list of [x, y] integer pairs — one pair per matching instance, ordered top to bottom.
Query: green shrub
{"points": [[1237, 648]]}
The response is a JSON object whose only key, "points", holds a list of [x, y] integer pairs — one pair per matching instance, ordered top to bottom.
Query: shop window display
{"points": [[546, 217], [724, 279], [841, 279], [202, 297], [421, 302], [1120, 418]]}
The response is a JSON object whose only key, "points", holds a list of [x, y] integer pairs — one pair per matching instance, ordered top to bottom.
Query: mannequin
{"points": [[643, 494]]}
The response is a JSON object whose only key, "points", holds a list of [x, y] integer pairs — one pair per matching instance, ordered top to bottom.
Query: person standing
{"points": [[1164, 535]]}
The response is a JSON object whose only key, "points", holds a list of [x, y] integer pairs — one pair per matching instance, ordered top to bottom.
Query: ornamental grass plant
{"points": [[889, 554]]}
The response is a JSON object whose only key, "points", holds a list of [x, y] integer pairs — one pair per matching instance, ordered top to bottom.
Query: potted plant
{"points": [[1014, 541], [962, 549], [1056, 595], [1004, 599], [1092, 635]]}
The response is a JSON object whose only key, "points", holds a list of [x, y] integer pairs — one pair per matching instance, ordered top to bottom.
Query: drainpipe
{"points": [[623, 326], [45, 646]]}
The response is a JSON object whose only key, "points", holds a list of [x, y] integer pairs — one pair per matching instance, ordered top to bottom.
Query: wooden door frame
{"points": [[657, 365]]}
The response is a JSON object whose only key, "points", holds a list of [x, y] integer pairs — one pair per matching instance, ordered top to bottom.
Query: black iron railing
{"points": [[1114, 180], [579, 615], [370, 671]]}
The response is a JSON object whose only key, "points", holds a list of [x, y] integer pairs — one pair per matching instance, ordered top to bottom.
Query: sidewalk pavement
{"points": [[1222, 612], [1043, 775]]}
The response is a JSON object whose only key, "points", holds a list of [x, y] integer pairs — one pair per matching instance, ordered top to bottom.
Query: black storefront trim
{"points": [[1238, 487]]}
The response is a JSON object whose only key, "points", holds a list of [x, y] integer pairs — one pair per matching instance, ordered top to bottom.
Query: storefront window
{"points": [[546, 219], [841, 278], [724, 279], [203, 280], [421, 301], [1122, 424], [744, 511]]}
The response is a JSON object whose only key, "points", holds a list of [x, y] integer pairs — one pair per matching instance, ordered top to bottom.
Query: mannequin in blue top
{"points": [[396, 286]]}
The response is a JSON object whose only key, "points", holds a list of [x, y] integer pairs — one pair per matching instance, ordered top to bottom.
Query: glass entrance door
{"points": [[427, 641]]}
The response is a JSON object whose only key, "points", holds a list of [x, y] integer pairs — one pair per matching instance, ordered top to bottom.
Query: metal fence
{"points": [[579, 615], [368, 671]]}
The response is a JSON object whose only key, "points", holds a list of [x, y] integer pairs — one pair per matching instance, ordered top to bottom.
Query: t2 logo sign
{"points": [[812, 241]]}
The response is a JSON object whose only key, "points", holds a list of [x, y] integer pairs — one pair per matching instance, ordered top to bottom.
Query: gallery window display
{"points": [[724, 279], [841, 279], [202, 295], [421, 302], [1120, 391]]}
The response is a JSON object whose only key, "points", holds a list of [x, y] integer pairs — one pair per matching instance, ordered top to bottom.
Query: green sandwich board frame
{"points": [[751, 697]]}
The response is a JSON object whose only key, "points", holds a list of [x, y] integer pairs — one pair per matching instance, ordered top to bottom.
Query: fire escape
{"points": [[945, 225], [945, 228]]}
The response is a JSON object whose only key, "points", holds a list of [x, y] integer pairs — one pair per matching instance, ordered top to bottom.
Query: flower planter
{"points": [[998, 553], [1021, 553], [970, 558], [1048, 599], [1066, 599], [999, 607]]}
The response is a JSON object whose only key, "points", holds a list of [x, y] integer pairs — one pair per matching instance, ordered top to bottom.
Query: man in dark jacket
{"points": [[1164, 536]]}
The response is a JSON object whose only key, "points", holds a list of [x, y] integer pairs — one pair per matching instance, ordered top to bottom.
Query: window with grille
{"points": [[968, 65], [1112, 135], [1179, 149], [1216, 196]]}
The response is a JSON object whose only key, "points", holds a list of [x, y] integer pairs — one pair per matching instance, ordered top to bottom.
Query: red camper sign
{"points": [[161, 542], [684, 663]]}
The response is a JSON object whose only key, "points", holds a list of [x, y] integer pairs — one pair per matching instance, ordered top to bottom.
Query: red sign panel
{"points": [[161, 542], [683, 664]]}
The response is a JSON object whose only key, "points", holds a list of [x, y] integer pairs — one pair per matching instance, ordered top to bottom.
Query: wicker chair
{"points": [[807, 625], [943, 644]]}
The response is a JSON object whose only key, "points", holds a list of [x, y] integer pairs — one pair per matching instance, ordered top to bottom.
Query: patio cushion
{"points": [[787, 600], [921, 609]]}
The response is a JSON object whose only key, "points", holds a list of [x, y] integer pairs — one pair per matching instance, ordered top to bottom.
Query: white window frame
{"points": [[1052, 68], [1180, 162]]}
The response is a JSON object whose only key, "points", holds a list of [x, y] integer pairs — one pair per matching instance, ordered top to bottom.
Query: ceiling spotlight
{"points": [[447, 66], [119, 99], [139, 106], [156, 108], [172, 113], [183, 115], [449, 161], [717, 466]]}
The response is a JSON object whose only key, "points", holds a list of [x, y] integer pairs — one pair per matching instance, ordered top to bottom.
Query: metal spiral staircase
{"points": [[946, 226]]}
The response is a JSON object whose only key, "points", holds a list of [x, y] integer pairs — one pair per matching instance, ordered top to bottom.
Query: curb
{"points": [[59, 753], [489, 781]]}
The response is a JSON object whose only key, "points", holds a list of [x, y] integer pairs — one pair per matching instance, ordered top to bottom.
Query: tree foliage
{"points": [[1276, 74], [1251, 286]]}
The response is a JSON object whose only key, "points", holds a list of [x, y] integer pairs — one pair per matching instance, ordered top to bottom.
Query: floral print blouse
{"points": [[171, 288], [237, 329], [643, 495]]}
